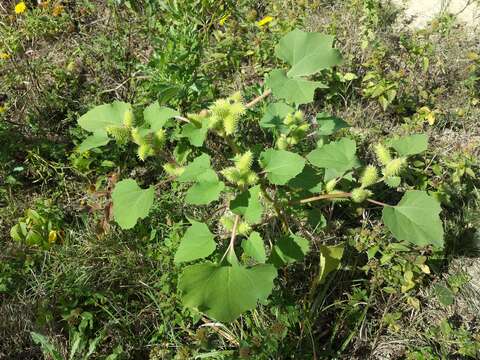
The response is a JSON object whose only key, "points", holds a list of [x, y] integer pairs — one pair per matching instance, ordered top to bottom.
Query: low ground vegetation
{"points": [[364, 247]]}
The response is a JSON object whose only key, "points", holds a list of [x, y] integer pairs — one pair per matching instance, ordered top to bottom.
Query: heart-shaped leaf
{"points": [[130, 202]]}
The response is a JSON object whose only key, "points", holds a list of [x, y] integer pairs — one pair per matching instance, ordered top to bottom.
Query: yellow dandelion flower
{"points": [[20, 7], [264, 21], [4, 56]]}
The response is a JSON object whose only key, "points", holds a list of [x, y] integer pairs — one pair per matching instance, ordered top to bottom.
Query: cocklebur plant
{"points": [[264, 181]]}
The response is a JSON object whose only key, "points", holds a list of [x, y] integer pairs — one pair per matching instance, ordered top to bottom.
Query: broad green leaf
{"points": [[307, 53], [295, 90], [275, 114], [102, 116], [157, 116], [327, 124], [195, 135], [97, 139], [410, 145], [339, 155], [281, 165], [196, 169], [308, 180], [207, 187], [203, 193], [130, 202], [248, 205], [415, 219], [197, 243], [254, 247], [289, 249], [330, 259], [225, 292], [444, 295]]}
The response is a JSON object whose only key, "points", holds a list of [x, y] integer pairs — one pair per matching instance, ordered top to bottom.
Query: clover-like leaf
{"points": [[307, 53], [295, 90], [103, 116], [97, 139], [410, 145], [339, 155], [281, 165], [130, 202], [248, 205], [415, 219], [197, 243], [254, 247], [225, 292]]}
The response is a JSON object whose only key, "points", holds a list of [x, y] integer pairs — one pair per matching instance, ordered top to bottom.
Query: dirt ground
{"points": [[420, 12]]}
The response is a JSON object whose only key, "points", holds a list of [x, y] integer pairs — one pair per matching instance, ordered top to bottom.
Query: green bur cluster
{"points": [[224, 114], [297, 129], [121, 134], [148, 144], [392, 168], [241, 174]]}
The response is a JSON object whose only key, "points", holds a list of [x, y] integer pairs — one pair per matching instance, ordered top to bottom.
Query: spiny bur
{"points": [[128, 119], [119, 133], [144, 151], [382, 154], [394, 167], [173, 170], [369, 176], [359, 195]]}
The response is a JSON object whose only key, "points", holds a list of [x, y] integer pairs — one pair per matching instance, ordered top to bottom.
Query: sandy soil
{"points": [[420, 12]]}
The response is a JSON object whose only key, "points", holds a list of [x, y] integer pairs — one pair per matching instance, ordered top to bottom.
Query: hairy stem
{"points": [[255, 101], [323, 197]]}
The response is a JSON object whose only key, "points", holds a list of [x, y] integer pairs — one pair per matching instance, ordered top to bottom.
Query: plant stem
{"points": [[254, 102], [335, 196], [322, 197], [379, 203], [276, 206], [231, 245]]}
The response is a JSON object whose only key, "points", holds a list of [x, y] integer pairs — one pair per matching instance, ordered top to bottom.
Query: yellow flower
{"points": [[20, 7], [57, 10], [223, 19], [264, 21], [4, 56], [2, 109], [52, 236]]}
